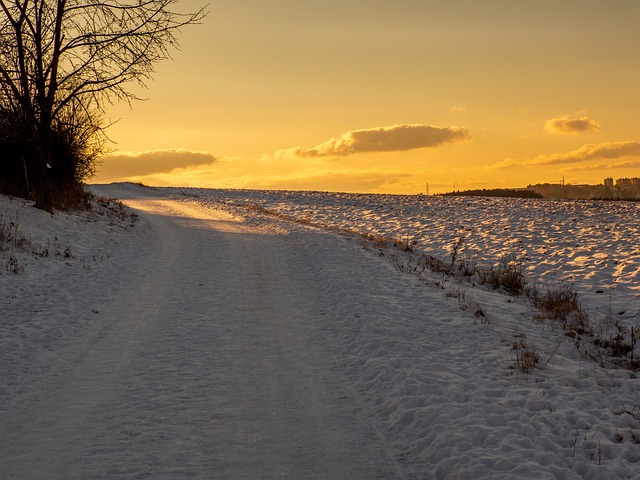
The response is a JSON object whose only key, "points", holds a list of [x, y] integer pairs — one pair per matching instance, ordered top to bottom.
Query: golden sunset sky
{"points": [[387, 96]]}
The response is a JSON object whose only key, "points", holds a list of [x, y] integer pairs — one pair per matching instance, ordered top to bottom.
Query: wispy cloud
{"points": [[572, 125], [383, 139], [592, 151], [506, 163], [134, 164], [606, 166]]}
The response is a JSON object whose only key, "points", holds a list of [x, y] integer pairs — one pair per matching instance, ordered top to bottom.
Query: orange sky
{"points": [[379, 96]]}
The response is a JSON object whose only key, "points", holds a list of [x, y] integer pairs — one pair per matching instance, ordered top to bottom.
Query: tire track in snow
{"points": [[210, 364]]}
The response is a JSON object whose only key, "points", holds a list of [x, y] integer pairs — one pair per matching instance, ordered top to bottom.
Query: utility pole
{"points": [[427, 189]]}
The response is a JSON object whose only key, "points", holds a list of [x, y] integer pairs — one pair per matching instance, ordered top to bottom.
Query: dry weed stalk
{"points": [[526, 357]]}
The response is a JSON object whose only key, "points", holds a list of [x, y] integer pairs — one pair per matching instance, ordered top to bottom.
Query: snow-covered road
{"points": [[213, 341], [210, 363]]}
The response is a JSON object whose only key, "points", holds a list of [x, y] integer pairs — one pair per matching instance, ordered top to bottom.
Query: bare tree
{"points": [[61, 63]]}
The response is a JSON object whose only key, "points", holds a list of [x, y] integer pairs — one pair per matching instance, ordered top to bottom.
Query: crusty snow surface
{"points": [[205, 340]]}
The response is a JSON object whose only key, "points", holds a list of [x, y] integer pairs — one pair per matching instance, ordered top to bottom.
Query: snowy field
{"points": [[593, 245], [205, 337]]}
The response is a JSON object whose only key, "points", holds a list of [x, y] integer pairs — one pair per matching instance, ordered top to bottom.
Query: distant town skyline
{"points": [[621, 188]]}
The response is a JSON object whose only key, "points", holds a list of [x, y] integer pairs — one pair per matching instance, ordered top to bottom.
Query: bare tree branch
{"points": [[61, 61]]}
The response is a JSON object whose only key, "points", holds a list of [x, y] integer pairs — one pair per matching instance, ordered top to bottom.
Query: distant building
{"points": [[627, 182], [625, 188], [548, 190]]}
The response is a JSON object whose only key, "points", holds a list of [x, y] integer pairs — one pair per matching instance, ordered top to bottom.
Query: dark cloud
{"points": [[572, 125], [385, 139], [134, 164]]}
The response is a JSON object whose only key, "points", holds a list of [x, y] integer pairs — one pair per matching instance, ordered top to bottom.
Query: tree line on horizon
{"points": [[495, 192]]}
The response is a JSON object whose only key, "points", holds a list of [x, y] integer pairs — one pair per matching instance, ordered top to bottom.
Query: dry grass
{"points": [[113, 207], [11, 231], [6, 232], [12, 237], [405, 245], [15, 246], [507, 276], [559, 303], [620, 345], [527, 358]]}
